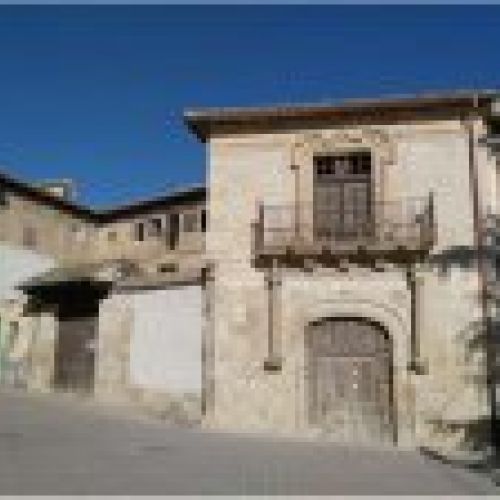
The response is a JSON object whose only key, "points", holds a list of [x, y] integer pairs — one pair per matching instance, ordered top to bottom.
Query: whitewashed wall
{"points": [[18, 265], [166, 340]]}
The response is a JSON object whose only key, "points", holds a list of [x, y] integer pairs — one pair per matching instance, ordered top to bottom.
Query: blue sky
{"points": [[96, 93]]}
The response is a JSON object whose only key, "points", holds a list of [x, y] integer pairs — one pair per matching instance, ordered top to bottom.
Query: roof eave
{"points": [[202, 122]]}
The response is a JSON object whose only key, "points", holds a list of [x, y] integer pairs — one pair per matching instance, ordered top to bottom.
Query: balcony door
{"points": [[342, 196]]}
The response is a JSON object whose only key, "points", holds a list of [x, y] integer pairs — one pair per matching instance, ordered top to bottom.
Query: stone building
{"points": [[38, 231], [348, 260], [333, 279], [86, 295]]}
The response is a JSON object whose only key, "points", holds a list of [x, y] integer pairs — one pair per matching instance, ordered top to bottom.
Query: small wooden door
{"points": [[342, 196], [75, 354], [350, 384]]}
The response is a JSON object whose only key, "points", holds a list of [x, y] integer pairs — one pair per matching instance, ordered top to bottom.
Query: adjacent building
{"points": [[86, 296]]}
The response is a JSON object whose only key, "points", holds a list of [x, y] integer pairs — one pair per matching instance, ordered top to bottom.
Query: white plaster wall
{"points": [[18, 265], [166, 340]]}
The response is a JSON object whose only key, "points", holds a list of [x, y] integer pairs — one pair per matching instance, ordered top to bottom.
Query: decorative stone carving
{"points": [[372, 138]]}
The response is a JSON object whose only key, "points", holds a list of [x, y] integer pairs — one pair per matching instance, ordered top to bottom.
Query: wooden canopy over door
{"points": [[350, 384]]}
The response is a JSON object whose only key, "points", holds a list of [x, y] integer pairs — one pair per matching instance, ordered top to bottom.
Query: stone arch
{"points": [[391, 318]]}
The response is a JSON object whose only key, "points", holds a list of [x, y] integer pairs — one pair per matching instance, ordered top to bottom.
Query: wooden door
{"points": [[342, 196], [75, 354], [350, 385]]}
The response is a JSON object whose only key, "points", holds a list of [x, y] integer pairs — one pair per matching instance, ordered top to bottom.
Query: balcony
{"points": [[397, 231]]}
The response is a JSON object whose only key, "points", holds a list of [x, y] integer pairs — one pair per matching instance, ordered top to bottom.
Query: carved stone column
{"points": [[273, 362]]}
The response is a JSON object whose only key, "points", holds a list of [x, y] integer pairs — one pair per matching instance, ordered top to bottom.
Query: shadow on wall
{"points": [[466, 257], [479, 436]]}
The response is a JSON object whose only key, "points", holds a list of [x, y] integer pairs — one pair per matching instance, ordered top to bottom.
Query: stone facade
{"points": [[117, 239], [433, 404]]}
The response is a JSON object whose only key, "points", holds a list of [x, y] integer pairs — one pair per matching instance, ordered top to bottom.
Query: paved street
{"points": [[53, 445]]}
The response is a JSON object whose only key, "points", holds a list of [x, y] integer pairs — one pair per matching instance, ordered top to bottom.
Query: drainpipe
{"points": [[294, 167], [296, 202], [479, 236], [2, 361]]}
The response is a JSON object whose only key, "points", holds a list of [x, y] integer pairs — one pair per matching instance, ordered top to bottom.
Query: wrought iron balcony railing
{"points": [[386, 229]]}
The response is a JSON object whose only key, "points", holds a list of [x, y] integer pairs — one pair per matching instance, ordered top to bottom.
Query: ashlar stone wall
{"points": [[410, 160]]}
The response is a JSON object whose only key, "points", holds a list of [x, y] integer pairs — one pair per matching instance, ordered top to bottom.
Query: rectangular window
{"points": [[494, 128], [4, 198], [203, 221], [190, 222], [155, 227], [173, 230], [139, 231], [112, 235], [29, 237], [169, 267]]}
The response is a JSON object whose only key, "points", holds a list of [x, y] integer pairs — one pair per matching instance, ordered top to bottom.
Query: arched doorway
{"points": [[350, 386]]}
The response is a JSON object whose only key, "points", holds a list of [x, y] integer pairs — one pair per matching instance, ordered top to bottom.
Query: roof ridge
{"points": [[31, 190]]}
